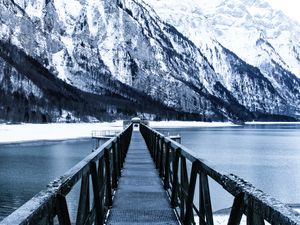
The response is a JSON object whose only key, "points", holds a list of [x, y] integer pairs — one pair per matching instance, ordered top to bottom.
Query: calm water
{"points": [[266, 155], [27, 169]]}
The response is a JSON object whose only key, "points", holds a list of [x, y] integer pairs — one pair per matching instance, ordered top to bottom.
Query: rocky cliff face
{"points": [[254, 33], [129, 59]]}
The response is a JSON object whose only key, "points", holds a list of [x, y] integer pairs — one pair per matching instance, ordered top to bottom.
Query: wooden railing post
{"points": [[154, 147], [157, 151], [119, 154], [161, 157], [114, 167], [167, 167], [108, 179], [175, 179], [101, 183], [184, 184], [96, 190], [205, 197], [84, 200], [62, 210], [237, 210], [189, 216], [252, 217]]}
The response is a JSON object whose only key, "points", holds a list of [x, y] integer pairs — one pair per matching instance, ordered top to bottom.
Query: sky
{"points": [[289, 7]]}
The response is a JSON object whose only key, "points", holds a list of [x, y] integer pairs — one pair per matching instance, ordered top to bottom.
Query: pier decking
{"points": [[140, 197]]}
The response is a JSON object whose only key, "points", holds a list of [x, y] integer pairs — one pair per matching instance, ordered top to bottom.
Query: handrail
{"points": [[104, 133], [170, 158], [103, 166]]}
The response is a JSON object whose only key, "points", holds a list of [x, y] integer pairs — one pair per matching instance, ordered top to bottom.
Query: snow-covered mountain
{"points": [[253, 31], [131, 57]]}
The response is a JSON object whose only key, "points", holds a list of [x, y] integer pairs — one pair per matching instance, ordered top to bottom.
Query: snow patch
{"points": [[68, 12], [4, 32], [58, 61], [55, 131]]}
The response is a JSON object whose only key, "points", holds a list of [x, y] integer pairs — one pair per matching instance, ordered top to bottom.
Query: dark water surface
{"points": [[268, 156], [26, 169]]}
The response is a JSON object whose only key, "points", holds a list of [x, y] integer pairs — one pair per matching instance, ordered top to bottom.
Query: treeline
{"points": [[117, 101]]}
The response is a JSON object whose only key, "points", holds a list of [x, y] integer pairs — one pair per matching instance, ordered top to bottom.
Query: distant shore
{"points": [[266, 123], [182, 124], [26, 133]]}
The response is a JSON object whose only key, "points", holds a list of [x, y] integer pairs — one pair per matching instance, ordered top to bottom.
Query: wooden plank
{"points": [[140, 198]]}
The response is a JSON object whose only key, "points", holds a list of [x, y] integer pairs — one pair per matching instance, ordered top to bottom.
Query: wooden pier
{"points": [[143, 177], [140, 197]]}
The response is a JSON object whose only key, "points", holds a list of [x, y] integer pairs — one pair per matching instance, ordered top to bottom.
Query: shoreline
{"points": [[271, 123], [187, 124], [52, 132], [25, 133], [42, 142]]}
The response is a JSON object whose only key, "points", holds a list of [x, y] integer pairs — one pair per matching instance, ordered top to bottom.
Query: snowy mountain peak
{"points": [[213, 59]]}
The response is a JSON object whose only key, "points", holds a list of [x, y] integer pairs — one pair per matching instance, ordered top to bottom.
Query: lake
{"points": [[268, 156], [26, 169]]}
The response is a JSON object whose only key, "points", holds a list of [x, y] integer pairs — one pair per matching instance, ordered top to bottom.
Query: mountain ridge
{"points": [[123, 48]]}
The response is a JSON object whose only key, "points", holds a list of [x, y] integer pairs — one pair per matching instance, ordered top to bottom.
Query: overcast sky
{"points": [[289, 7]]}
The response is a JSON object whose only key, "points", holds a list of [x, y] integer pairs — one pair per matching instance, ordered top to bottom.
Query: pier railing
{"points": [[104, 133], [100, 170], [180, 181]]}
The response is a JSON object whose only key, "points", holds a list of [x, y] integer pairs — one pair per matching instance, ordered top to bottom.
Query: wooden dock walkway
{"points": [[140, 197]]}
